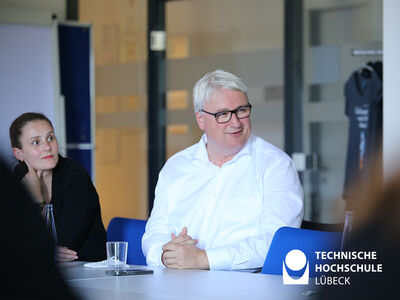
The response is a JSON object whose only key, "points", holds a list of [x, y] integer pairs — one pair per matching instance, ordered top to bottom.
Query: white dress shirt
{"points": [[233, 210]]}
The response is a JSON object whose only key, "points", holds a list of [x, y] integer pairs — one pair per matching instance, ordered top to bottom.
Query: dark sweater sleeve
{"points": [[80, 227]]}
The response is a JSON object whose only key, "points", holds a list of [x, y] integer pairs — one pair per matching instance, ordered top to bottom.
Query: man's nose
{"points": [[234, 120]]}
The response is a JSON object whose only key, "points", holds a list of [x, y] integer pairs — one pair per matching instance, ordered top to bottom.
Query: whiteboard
{"points": [[29, 79]]}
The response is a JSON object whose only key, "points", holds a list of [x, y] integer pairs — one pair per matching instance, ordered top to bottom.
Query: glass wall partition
{"points": [[332, 30], [244, 37], [120, 54]]}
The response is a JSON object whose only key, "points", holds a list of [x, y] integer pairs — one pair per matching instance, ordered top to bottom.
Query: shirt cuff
{"points": [[154, 256], [219, 258]]}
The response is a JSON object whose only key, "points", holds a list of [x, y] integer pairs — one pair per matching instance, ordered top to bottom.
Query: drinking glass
{"points": [[117, 254]]}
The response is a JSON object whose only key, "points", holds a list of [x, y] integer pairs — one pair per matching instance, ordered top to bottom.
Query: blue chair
{"points": [[130, 230], [308, 241]]}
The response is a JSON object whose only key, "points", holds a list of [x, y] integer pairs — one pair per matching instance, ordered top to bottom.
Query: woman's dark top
{"points": [[77, 211], [27, 267]]}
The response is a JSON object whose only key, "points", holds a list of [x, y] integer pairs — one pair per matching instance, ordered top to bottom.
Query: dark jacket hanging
{"points": [[363, 91]]}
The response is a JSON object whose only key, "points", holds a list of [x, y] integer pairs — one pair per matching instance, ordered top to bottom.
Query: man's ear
{"points": [[200, 120], [18, 153]]}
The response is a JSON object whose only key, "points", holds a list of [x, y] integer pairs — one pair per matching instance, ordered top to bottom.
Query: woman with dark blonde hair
{"points": [[65, 184]]}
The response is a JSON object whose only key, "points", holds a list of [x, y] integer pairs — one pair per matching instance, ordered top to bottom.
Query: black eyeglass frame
{"points": [[234, 111]]}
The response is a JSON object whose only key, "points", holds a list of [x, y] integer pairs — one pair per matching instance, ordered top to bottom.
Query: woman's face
{"points": [[39, 145]]}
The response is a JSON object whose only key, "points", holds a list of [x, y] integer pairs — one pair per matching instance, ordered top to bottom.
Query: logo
{"points": [[295, 260]]}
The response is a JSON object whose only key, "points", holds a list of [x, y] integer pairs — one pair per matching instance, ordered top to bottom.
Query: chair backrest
{"points": [[130, 230], [287, 239]]}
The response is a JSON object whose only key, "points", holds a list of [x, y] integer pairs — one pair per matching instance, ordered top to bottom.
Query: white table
{"points": [[180, 285]]}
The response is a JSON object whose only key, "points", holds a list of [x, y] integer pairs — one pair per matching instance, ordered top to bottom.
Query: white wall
{"points": [[29, 67], [29, 78], [391, 88]]}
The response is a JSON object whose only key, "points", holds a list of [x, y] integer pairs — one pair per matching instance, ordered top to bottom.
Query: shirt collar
{"points": [[246, 150], [201, 153]]}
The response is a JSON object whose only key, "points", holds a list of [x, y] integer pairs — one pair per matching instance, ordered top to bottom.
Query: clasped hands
{"points": [[181, 253]]}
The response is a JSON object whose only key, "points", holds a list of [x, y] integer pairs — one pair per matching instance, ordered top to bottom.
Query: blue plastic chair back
{"points": [[131, 231], [308, 241]]}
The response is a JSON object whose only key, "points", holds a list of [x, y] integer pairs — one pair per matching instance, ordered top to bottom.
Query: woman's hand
{"points": [[32, 181], [65, 254]]}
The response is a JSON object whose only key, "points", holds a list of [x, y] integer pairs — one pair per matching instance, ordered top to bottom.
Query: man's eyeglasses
{"points": [[225, 116]]}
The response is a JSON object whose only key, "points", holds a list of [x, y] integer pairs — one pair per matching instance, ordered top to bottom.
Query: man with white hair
{"points": [[219, 202]]}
